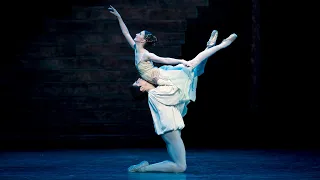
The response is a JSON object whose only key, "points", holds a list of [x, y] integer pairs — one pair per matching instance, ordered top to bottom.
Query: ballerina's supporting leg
{"points": [[205, 54]]}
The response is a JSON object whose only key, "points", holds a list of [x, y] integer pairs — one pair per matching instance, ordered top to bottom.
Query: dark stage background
{"points": [[67, 68]]}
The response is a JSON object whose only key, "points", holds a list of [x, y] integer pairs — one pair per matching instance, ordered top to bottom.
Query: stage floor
{"points": [[208, 164]]}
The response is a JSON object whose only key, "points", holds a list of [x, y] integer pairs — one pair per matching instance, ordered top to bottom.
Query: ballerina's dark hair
{"points": [[150, 38], [137, 94]]}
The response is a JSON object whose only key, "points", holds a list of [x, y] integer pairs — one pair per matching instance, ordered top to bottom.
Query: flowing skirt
{"points": [[168, 102]]}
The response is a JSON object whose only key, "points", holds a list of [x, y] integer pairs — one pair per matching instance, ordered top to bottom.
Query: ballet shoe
{"points": [[231, 38], [212, 39], [137, 167]]}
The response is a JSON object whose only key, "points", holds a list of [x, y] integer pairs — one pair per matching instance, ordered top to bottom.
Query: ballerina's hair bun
{"points": [[150, 38]]}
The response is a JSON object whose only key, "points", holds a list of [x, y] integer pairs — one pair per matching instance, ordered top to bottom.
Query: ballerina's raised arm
{"points": [[123, 26]]}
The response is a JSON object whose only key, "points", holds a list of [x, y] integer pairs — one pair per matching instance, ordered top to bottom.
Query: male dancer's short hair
{"points": [[137, 94]]}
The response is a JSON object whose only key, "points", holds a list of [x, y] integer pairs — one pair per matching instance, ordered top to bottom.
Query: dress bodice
{"points": [[146, 68]]}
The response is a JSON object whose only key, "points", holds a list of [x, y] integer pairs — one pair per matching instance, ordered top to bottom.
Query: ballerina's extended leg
{"points": [[210, 51]]}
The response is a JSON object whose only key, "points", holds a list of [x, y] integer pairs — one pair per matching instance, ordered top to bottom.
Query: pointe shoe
{"points": [[231, 38], [212, 39], [226, 42], [137, 167]]}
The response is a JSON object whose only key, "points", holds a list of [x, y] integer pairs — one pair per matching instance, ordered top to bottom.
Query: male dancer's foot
{"points": [[137, 167]]}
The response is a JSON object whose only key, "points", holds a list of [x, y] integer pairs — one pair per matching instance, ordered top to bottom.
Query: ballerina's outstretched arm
{"points": [[123, 26], [166, 60]]}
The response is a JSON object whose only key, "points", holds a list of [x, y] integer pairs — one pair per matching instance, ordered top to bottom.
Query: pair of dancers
{"points": [[169, 89]]}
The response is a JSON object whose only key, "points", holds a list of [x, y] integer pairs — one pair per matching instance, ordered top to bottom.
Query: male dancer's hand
{"points": [[186, 63]]}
